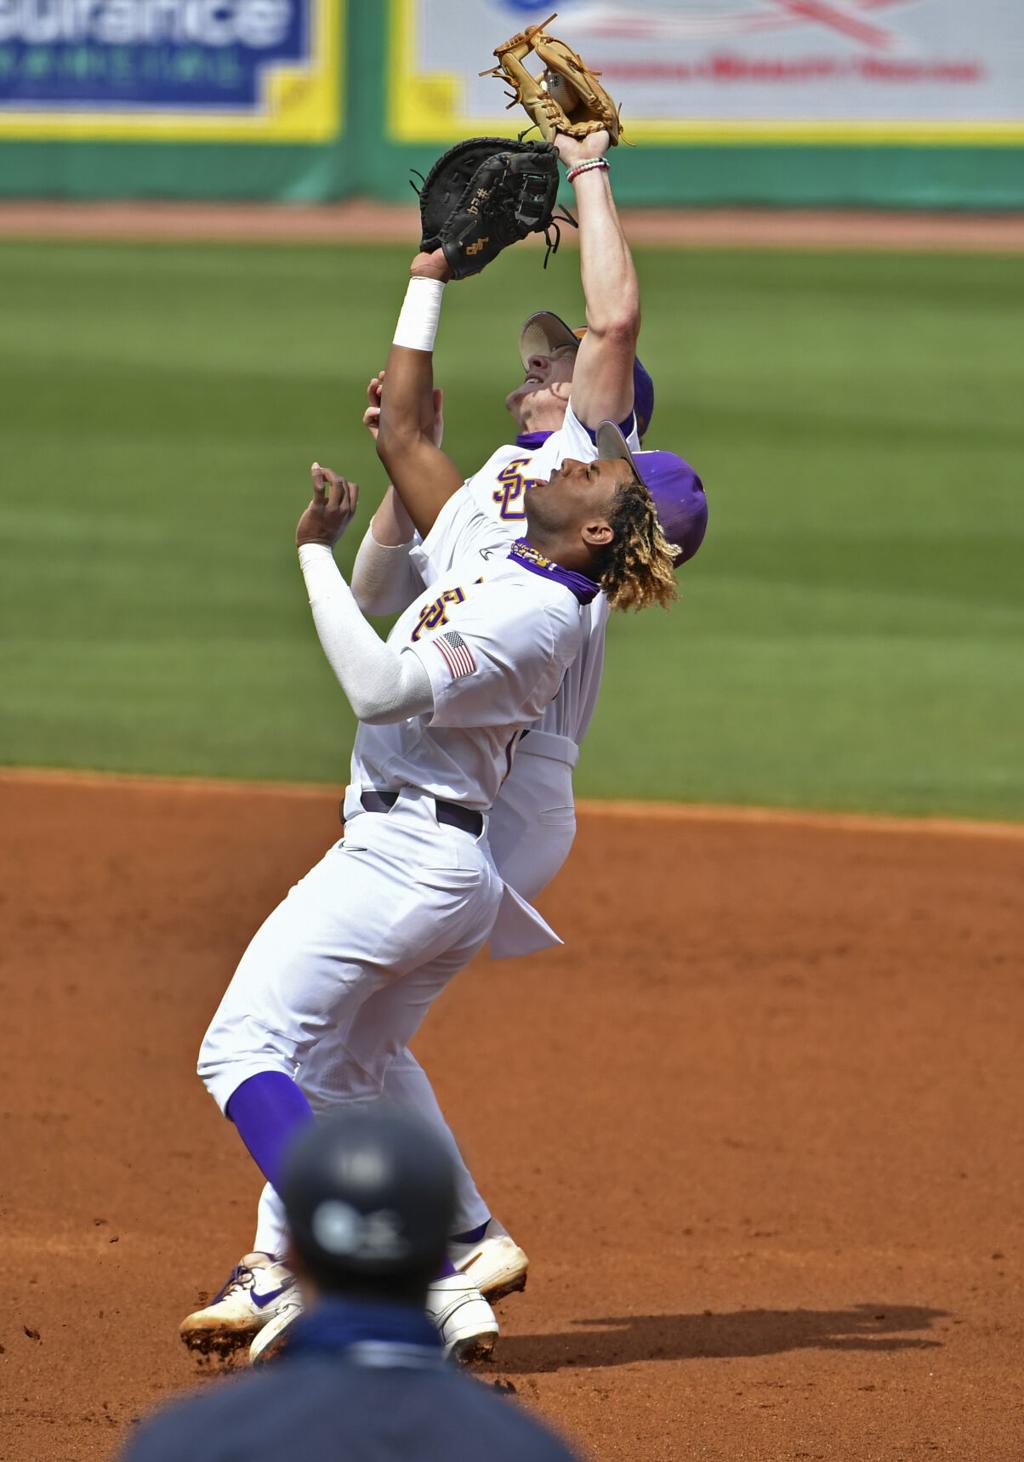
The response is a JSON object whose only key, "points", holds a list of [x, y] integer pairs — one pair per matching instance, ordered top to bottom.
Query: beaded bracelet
{"points": [[586, 166]]}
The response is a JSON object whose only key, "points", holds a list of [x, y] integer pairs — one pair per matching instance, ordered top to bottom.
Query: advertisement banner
{"points": [[174, 70], [742, 71]]}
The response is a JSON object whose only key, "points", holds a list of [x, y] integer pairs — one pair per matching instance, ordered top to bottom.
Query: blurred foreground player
{"points": [[369, 1198]]}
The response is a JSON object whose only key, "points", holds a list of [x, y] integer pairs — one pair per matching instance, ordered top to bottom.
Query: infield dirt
{"points": [[759, 1124]]}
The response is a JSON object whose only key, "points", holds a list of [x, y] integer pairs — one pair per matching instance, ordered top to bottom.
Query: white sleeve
{"points": [[575, 437], [460, 527], [439, 548], [384, 578], [498, 662], [382, 686]]}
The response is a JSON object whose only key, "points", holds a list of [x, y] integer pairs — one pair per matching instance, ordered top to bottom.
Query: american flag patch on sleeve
{"points": [[456, 653]]}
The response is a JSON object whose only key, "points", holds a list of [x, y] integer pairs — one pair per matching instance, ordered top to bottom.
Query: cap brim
{"points": [[544, 332], [612, 447]]}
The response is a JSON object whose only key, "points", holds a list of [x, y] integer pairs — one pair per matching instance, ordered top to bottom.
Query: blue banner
{"points": [[212, 55]]}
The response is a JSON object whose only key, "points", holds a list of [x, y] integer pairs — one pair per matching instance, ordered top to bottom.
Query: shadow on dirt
{"points": [[618, 1342]]}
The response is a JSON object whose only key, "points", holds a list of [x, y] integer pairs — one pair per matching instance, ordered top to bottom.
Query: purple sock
{"points": [[268, 1110], [472, 1235], [446, 1270]]}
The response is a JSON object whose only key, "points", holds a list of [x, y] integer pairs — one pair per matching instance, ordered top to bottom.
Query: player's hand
{"points": [[581, 149], [435, 265], [371, 416], [331, 510]]}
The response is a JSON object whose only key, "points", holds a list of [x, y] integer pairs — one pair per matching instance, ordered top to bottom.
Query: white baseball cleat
{"points": [[495, 1264], [255, 1291], [464, 1320], [274, 1335]]}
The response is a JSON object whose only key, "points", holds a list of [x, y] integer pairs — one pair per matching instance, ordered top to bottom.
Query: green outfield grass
{"points": [[850, 636]]}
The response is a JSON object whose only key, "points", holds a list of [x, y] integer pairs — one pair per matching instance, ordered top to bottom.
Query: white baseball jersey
{"points": [[498, 491], [496, 639]]}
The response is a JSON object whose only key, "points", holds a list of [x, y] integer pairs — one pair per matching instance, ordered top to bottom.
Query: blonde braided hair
{"points": [[636, 567]]}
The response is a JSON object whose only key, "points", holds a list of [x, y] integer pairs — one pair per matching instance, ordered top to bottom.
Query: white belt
{"points": [[547, 743]]}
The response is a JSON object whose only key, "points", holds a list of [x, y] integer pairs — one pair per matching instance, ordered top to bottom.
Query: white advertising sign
{"points": [[942, 71]]}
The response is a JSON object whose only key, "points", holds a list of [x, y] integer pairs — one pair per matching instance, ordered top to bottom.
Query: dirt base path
{"points": [[363, 221], [760, 1125]]}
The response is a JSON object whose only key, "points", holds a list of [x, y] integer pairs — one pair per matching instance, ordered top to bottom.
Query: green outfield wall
{"points": [[310, 100]]}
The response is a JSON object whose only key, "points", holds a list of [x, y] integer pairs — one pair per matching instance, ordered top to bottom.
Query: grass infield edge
{"points": [[587, 807]]}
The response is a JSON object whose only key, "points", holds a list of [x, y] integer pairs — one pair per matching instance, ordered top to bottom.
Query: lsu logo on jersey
{"points": [[511, 487], [435, 614]]}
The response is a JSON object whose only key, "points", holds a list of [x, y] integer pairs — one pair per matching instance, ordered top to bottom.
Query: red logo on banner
{"points": [[858, 20]]}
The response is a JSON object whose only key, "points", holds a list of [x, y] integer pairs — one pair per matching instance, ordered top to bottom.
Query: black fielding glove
{"points": [[485, 194]]}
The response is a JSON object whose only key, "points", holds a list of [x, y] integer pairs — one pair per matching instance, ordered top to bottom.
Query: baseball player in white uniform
{"points": [[531, 822], [339, 977]]}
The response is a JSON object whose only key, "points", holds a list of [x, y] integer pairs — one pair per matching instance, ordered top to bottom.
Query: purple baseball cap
{"points": [[544, 332], [677, 491]]}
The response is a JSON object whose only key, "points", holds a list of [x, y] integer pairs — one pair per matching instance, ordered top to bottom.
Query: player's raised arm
{"points": [[602, 384], [423, 476], [384, 578]]}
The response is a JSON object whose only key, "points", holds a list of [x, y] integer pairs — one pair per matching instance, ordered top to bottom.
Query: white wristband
{"points": [[417, 323]]}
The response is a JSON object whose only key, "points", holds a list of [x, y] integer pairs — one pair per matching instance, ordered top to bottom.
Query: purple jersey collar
{"points": [[531, 440], [578, 584]]}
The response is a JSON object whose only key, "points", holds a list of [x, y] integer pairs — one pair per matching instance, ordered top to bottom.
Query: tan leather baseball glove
{"points": [[568, 98]]}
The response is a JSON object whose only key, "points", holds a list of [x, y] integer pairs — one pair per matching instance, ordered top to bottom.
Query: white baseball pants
{"points": [[530, 830], [339, 977]]}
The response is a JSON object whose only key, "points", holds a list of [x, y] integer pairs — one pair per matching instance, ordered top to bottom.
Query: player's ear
{"points": [[598, 533]]}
